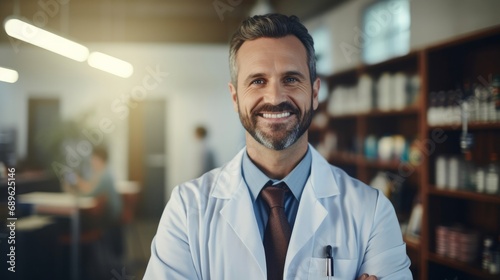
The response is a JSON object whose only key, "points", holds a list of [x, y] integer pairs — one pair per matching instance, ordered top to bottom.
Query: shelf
{"points": [[377, 113], [470, 126], [347, 158], [392, 165], [488, 198], [468, 268]]}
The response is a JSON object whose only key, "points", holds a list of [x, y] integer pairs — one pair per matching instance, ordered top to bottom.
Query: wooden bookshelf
{"points": [[440, 67]]}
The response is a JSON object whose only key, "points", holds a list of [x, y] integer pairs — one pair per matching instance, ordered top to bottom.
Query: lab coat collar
{"points": [[229, 178], [321, 178]]}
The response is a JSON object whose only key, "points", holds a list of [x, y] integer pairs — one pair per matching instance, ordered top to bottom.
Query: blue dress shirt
{"points": [[295, 180]]}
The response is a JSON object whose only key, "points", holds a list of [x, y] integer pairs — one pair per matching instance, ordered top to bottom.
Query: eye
{"points": [[289, 80], [258, 82]]}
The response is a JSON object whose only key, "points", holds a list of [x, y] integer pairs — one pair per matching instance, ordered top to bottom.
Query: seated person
{"points": [[101, 185]]}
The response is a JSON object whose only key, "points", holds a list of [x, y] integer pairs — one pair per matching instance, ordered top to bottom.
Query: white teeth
{"points": [[276, 116]]}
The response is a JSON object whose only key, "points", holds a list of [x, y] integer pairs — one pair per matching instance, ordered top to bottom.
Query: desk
{"points": [[61, 204]]}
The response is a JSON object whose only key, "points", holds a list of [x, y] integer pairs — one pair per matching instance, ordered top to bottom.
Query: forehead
{"points": [[272, 53]]}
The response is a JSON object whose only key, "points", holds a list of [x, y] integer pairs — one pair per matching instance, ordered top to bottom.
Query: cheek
{"points": [[303, 100], [247, 102]]}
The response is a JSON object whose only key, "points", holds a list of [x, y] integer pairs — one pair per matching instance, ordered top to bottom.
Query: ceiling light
{"points": [[34, 35], [110, 64], [8, 75]]}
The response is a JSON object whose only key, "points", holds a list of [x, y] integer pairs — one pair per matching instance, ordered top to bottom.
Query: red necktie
{"points": [[278, 231]]}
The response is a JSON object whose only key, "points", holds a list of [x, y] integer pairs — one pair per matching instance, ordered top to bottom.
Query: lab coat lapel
{"points": [[238, 211], [311, 212]]}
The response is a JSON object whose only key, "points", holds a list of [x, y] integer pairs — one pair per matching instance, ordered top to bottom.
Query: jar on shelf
{"points": [[495, 95], [441, 172], [492, 175], [480, 179], [487, 253]]}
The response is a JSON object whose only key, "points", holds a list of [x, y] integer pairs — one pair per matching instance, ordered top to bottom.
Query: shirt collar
{"points": [[295, 180]]}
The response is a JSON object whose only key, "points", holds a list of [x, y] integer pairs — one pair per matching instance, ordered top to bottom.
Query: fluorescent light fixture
{"points": [[34, 35], [110, 64], [8, 75]]}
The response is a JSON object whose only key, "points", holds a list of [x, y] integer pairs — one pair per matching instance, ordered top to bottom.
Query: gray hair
{"points": [[271, 26]]}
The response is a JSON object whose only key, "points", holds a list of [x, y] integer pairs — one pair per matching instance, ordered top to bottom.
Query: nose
{"points": [[275, 93]]}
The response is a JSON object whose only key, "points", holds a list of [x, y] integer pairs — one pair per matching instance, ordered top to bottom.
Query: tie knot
{"points": [[274, 195]]}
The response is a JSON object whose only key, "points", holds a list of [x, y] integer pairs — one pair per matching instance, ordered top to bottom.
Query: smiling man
{"points": [[278, 210]]}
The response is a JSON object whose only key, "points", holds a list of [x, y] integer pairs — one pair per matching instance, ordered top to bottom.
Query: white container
{"points": [[384, 92], [365, 94], [400, 96], [441, 172], [453, 172], [491, 178], [480, 180]]}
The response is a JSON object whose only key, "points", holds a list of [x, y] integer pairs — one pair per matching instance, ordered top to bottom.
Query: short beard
{"points": [[272, 141]]}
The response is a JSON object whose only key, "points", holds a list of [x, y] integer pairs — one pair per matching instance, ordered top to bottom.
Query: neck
{"points": [[276, 164]]}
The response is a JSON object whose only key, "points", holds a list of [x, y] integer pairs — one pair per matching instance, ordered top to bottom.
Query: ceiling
{"points": [[179, 21]]}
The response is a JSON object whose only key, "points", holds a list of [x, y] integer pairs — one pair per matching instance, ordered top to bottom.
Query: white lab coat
{"points": [[208, 230]]}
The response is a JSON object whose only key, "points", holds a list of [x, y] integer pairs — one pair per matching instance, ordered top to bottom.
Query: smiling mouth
{"points": [[275, 115]]}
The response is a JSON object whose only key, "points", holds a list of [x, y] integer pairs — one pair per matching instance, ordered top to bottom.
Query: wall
{"points": [[431, 22], [195, 90]]}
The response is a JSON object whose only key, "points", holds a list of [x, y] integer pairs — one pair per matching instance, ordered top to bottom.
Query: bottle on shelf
{"points": [[481, 94], [495, 95], [469, 98], [452, 110], [432, 111], [440, 117], [441, 172], [453, 173], [468, 174], [492, 175], [480, 179], [487, 254], [495, 261]]}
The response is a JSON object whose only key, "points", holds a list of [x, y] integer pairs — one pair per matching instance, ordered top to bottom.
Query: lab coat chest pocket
{"points": [[343, 269]]}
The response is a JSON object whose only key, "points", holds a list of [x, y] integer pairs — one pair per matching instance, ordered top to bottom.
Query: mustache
{"points": [[283, 106]]}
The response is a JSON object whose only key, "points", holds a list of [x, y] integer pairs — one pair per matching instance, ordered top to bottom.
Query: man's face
{"points": [[274, 96]]}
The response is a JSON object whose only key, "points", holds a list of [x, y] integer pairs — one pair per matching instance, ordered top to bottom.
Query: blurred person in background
{"points": [[203, 157], [100, 185], [278, 209]]}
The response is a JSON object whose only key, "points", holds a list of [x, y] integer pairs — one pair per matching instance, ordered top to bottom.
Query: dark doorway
{"points": [[43, 119], [147, 155]]}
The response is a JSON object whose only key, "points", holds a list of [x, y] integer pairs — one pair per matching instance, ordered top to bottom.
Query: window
{"points": [[385, 30]]}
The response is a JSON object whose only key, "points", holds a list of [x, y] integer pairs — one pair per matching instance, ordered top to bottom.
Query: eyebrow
{"points": [[287, 73], [295, 73]]}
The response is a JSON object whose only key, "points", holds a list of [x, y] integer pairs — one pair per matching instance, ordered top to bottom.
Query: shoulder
{"points": [[332, 180], [219, 183], [350, 185], [199, 187], [357, 194]]}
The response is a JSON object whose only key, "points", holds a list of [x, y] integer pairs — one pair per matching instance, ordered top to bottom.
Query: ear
{"points": [[315, 90], [234, 98]]}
